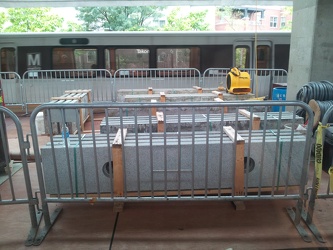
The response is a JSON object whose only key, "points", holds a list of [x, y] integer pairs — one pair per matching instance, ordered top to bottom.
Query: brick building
{"points": [[270, 18]]}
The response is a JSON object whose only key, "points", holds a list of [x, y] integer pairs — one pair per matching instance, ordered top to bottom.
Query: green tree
{"points": [[287, 11], [118, 18], [2, 19], [32, 20], [194, 21], [72, 27]]}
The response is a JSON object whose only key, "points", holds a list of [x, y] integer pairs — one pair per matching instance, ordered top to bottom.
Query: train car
{"points": [[118, 50]]}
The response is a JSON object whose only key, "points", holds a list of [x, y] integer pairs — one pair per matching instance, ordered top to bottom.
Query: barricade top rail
{"points": [[178, 104]]}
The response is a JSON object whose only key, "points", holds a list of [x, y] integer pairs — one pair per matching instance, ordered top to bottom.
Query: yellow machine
{"points": [[238, 82]]}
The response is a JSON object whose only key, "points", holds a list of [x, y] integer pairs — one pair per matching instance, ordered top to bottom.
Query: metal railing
{"points": [[159, 78], [262, 80], [40, 86], [12, 88], [196, 158], [314, 189], [11, 192]]}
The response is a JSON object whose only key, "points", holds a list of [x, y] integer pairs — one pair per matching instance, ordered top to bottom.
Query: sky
{"points": [[68, 13]]}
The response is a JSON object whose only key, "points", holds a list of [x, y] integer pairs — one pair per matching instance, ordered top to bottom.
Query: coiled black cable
{"points": [[320, 91], [324, 106]]}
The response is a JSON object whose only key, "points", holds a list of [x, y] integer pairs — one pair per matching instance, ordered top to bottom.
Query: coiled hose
{"points": [[319, 91], [319, 109]]}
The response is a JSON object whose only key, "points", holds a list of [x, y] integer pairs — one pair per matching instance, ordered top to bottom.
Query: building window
{"points": [[273, 22], [283, 22], [159, 23], [242, 57], [173, 58], [8, 61]]}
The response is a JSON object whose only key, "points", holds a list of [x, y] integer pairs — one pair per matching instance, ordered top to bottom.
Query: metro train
{"points": [[21, 52]]}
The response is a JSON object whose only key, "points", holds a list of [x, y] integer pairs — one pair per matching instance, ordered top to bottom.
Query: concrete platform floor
{"points": [[163, 225]]}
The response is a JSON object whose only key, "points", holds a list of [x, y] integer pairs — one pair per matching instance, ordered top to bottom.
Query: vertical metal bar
{"points": [[121, 114], [63, 122], [109, 146], [137, 150], [6, 151], [221, 151], [179, 152], [207, 152], [95, 153], [193, 153], [151, 156], [54, 158], [165, 158], [247, 165], [83, 166]]}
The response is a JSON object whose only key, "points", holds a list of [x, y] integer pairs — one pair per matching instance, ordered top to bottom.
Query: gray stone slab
{"points": [[121, 93], [198, 122], [173, 161], [81, 163], [180, 164]]}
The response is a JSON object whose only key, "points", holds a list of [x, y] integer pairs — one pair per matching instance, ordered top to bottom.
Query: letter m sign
{"points": [[33, 60]]}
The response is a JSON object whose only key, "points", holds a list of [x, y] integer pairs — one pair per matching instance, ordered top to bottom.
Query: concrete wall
{"points": [[311, 50]]}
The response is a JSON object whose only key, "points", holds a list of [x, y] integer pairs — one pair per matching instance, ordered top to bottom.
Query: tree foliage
{"points": [[288, 11], [118, 18], [2, 19], [31, 20], [194, 21]]}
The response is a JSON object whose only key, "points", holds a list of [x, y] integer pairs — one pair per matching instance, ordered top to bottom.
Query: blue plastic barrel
{"points": [[279, 94]]}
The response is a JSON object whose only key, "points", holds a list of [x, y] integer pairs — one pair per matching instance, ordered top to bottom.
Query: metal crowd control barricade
{"points": [[215, 77], [159, 78], [262, 80], [41, 85], [11, 88], [199, 163], [10, 191], [315, 194]]}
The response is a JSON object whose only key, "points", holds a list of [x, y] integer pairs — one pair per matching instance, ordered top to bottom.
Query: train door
{"points": [[256, 58], [11, 86]]}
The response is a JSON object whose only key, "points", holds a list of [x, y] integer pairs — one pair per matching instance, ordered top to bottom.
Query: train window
{"points": [[242, 57], [263, 57], [70, 58], [132, 58], [173, 58], [8, 60]]}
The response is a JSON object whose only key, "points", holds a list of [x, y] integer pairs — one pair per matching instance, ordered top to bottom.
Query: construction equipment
{"points": [[238, 82]]}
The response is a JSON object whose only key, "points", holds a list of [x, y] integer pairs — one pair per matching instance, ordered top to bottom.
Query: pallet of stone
{"points": [[122, 93], [69, 97], [192, 97], [274, 119], [175, 123], [141, 124], [173, 162], [76, 173]]}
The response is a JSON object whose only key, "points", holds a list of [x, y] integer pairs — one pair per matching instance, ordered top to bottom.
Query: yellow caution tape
{"points": [[319, 156], [330, 172]]}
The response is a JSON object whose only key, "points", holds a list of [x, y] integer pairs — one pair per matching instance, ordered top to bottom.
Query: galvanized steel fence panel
{"points": [[161, 78], [262, 80], [41, 85], [12, 88], [190, 158], [317, 186], [11, 191]]}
